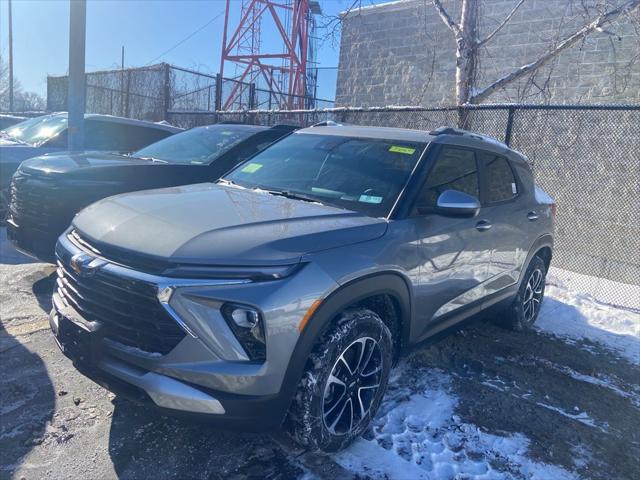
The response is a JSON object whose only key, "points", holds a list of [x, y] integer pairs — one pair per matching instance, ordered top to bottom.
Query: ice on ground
{"points": [[578, 316], [422, 438]]}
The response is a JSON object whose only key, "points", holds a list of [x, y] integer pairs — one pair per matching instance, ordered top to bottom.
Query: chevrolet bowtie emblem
{"points": [[85, 265]]}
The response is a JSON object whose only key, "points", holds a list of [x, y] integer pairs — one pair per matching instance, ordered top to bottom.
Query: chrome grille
{"points": [[128, 309]]}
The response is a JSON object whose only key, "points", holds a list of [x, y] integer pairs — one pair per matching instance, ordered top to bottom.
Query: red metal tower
{"points": [[282, 74]]}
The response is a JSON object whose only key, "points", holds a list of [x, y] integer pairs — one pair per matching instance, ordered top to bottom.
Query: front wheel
{"points": [[344, 382]]}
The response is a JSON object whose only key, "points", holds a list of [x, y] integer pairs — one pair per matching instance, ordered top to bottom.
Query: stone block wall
{"points": [[401, 53]]}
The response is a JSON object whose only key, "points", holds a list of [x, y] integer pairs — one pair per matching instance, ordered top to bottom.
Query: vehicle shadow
{"points": [[8, 254], [43, 290], [27, 395], [143, 444]]}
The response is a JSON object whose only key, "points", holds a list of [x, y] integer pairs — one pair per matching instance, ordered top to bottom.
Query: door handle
{"points": [[532, 216], [483, 226]]}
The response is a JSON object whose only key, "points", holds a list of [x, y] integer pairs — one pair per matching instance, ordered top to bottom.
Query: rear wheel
{"points": [[525, 307], [344, 382]]}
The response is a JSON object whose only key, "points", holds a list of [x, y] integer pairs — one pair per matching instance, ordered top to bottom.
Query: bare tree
{"points": [[469, 43], [23, 101]]}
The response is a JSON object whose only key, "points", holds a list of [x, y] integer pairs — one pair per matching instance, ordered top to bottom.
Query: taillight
{"points": [[553, 207]]}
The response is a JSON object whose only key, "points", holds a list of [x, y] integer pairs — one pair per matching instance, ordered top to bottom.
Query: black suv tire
{"points": [[525, 307], [344, 382]]}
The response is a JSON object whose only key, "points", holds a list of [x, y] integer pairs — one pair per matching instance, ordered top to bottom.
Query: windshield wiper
{"points": [[152, 159], [229, 183], [293, 195]]}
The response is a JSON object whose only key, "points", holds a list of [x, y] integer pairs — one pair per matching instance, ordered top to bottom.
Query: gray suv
{"points": [[284, 293]]}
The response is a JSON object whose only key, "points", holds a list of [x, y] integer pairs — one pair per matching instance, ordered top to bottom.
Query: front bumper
{"points": [[34, 242], [199, 376], [169, 396]]}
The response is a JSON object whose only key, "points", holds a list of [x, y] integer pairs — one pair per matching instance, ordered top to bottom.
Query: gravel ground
{"points": [[575, 406]]}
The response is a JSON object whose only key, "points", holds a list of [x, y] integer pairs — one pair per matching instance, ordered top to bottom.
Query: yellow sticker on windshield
{"points": [[226, 133], [405, 150], [252, 168]]}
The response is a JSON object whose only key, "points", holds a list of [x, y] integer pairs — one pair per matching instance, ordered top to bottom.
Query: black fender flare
{"points": [[390, 283]]}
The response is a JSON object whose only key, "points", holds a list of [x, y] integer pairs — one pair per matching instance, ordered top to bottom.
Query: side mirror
{"points": [[452, 203]]}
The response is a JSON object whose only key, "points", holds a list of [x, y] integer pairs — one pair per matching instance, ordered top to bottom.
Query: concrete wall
{"points": [[402, 54]]}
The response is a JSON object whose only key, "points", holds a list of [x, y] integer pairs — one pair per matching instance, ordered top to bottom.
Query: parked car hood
{"points": [[12, 151], [70, 162], [222, 225]]}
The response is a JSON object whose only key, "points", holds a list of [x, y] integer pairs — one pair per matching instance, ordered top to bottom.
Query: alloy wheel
{"points": [[533, 295], [352, 386]]}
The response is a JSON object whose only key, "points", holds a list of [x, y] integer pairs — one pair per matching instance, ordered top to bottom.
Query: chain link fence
{"points": [[163, 92], [586, 157]]}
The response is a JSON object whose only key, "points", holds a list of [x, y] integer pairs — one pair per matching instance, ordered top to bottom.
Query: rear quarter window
{"points": [[500, 181]]}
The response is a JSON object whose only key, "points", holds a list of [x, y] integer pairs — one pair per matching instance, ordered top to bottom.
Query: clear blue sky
{"points": [[146, 28]]}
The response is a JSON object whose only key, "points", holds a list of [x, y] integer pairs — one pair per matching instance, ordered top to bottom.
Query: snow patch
{"points": [[578, 316], [422, 438]]}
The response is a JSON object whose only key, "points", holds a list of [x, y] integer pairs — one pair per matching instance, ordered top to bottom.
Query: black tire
{"points": [[523, 311], [312, 419]]}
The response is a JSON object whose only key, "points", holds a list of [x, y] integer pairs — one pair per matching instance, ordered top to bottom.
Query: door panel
{"points": [[506, 209], [454, 254]]}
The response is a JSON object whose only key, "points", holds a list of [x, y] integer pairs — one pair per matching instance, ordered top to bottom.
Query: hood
{"points": [[11, 151], [71, 162], [218, 225]]}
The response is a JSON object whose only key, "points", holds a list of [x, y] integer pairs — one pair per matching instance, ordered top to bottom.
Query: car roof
{"points": [[125, 121], [443, 135]]}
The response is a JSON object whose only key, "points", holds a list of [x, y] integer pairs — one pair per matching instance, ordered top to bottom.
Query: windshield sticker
{"points": [[226, 133], [405, 150], [252, 168], [370, 199]]}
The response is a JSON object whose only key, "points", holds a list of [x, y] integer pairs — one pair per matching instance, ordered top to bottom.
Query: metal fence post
{"points": [[166, 91], [126, 93], [49, 94], [252, 96], [218, 101], [509, 128]]}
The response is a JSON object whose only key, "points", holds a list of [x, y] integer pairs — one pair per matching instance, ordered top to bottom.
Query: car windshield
{"points": [[37, 131], [198, 146], [361, 174]]}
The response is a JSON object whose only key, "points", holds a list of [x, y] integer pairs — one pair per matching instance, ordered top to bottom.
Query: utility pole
{"points": [[10, 59], [77, 86]]}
